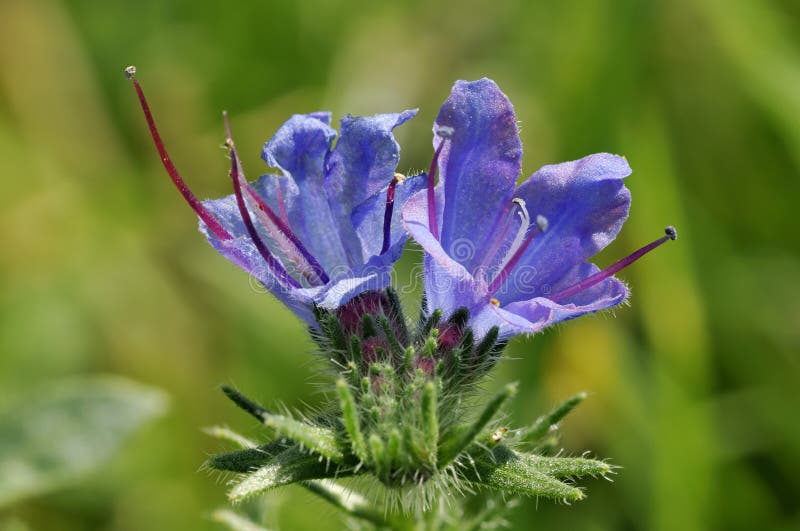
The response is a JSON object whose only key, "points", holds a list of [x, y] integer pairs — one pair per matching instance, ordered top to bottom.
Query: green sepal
{"points": [[396, 315], [459, 317], [429, 324], [332, 329], [368, 329], [488, 347], [398, 350], [356, 355], [351, 420], [430, 421], [543, 425], [380, 461]]}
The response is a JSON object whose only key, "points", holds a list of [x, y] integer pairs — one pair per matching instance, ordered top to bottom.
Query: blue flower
{"points": [[322, 230], [516, 258]]}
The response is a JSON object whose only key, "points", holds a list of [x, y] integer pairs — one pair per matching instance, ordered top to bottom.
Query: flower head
{"points": [[323, 230], [514, 257]]}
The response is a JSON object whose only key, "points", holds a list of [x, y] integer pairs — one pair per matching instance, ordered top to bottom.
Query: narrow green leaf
{"points": [[248, 406], [352, 422], [539, 429], [59, 434], [316, 438], [462, 438], [248, 459], [288, 467], [563, 467], [504, 471]]}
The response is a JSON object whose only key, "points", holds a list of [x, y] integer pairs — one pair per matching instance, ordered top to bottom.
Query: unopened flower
{"points": [[323, 230], [515, 258]]}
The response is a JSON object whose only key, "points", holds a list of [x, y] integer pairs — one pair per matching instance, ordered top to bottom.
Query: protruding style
{"points": [[322, 231]]}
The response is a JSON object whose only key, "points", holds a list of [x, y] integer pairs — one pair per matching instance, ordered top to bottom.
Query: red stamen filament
{"points": [[281, 202], [387, 215], [211, 222], [433, 223], [496, 242], [306, 260], [310, 262], [511, 264], [275, 266], [598, 277]]}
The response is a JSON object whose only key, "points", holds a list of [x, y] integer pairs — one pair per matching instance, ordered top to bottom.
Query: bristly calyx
{"points": [[400, 410]]}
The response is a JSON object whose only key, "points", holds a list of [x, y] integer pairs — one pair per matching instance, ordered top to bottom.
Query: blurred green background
{"points": [[694, 386]]}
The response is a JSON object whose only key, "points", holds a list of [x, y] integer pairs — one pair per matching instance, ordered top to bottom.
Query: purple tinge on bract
{"points": [[515, 257]]}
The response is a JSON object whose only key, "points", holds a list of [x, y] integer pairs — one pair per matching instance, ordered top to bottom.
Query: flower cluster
{"points": [[322, 234]]}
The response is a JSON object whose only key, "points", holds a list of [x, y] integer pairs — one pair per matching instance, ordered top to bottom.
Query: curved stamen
{"points": [[281, 201], [387, 215], [211, 222], [525, 222], [433, 223], [498, 235], [516, 253], [305, 261], [274, 265], [588, 282]]}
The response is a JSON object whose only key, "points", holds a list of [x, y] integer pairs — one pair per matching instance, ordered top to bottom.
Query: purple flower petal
{"points": [[300, 149], [365, 157], [479, 164], [585, 203], [368, 219], [604, 295]]}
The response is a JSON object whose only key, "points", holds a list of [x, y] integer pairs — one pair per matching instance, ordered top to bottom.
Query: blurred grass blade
{"points": [[226, 434], [54, 437], [348, 501], [235, 521]]}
